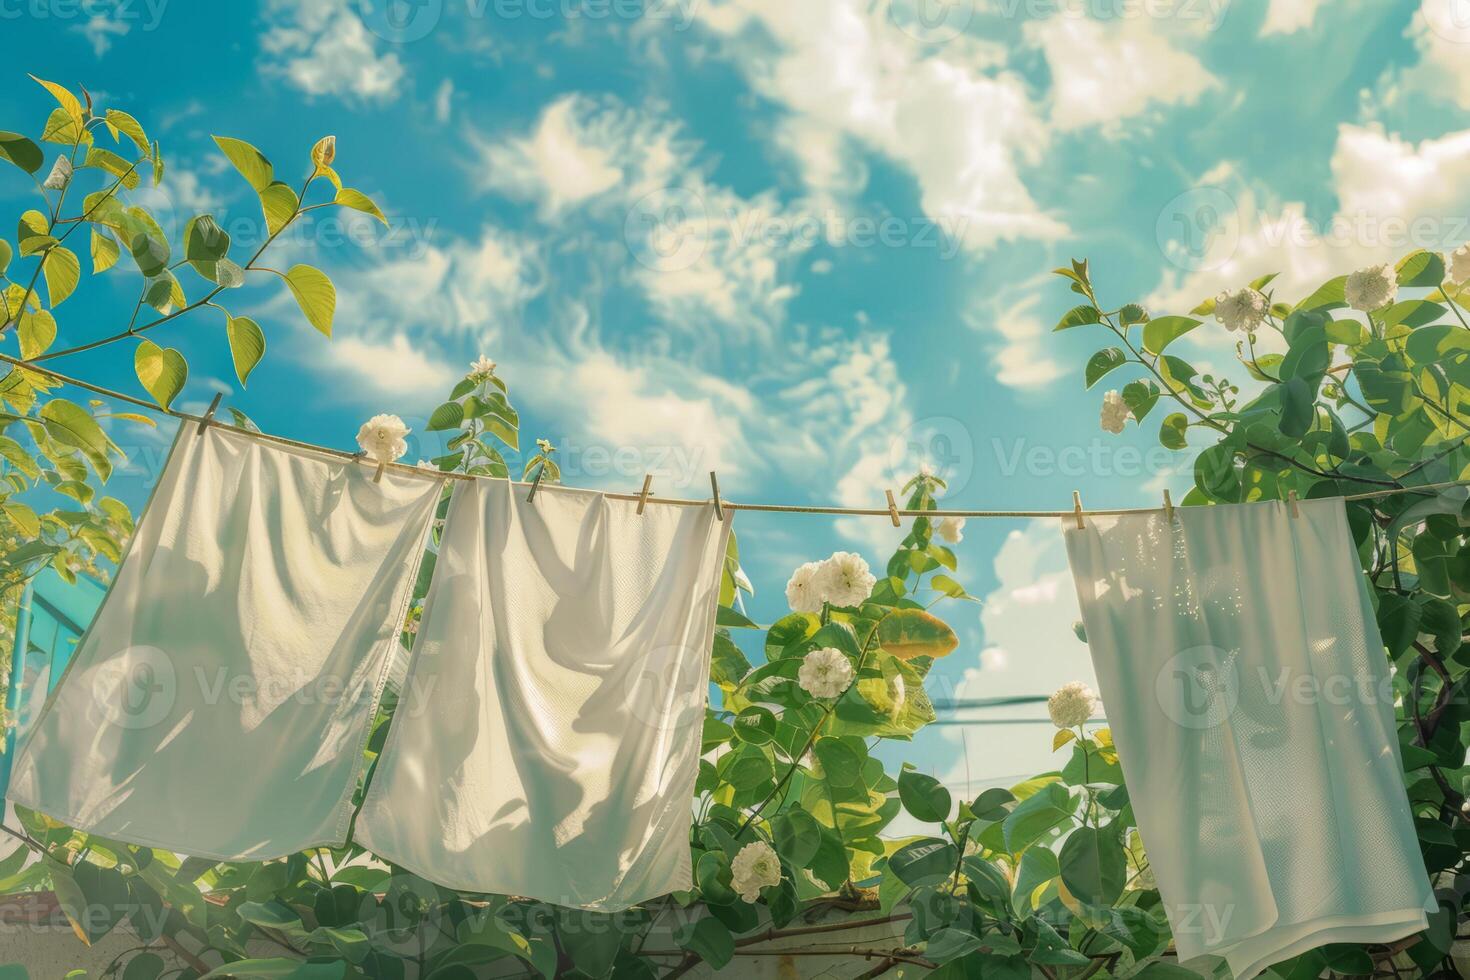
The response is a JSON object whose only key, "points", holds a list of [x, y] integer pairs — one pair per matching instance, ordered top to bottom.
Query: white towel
{"points": [[1247, 687], [220, 703], [547, 739]]}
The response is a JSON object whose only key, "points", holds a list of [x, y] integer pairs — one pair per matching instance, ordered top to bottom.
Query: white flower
{"points": [[60, 175], [1457, 265], [1372, 288], [1244, 309], [481, 368], [1115, 412], [381, 437], [951, 529], [848, 581], [806, 591], [825, 673], [1071, 705], [755, 867]]}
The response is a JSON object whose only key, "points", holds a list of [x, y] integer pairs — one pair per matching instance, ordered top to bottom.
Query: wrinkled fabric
{"points": [[1241, 668], [220, 702], [547, 740]]}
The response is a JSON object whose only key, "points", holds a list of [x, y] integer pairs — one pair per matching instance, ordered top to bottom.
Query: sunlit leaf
{"points": [[21, 152], [251, 163], [358, 201], [63, 271], [315, 294], [247, 345], [161, 370]]}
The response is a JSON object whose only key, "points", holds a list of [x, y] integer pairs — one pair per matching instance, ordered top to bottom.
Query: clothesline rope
{"points": [[651, 499]]}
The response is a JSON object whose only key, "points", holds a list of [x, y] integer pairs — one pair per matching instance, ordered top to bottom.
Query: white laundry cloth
{"points": [[1247, 687], [220, 702], [547, 739]]}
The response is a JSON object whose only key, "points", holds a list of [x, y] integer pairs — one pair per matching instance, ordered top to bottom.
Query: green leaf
{"points": [[69, 103], [121, 122], [63, 129], [21, 152], [109, 162], [251, 163], [358, 201], [278, 203], [33, 233], [146, 242], [205, 243], [105, 251], [5, 254], [1421, 268], [63, 272], [315, 294], [1329, 295], [1411, 313], [1078, 316], [1163, 331], [37, 332], [247, 345], [1102, 362], [161, 370], [1140, 397], [1298, 407], [450, 415], [1172, 431], [726, 616], [911, 633], [756, 725], [841, 763], [923, 796], [1046, 809], [797, 835], [926, 861], [1038, 866], [1093, 866], [712, 874], [710, 939], [144, 966]]}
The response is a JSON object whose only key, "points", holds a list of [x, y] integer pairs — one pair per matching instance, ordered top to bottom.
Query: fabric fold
{"points": [[220, 703], [1251, 705], [547, 739]]}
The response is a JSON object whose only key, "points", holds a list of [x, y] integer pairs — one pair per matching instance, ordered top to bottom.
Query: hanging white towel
{"points": [[1247, 688], [220, 703], [546, 742]]}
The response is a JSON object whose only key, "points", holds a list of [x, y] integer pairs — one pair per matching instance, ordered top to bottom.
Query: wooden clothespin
{"points": [[209, 415], [378, 475], [536, 483], [714, 483], [643, 494], [1291, 502], [892, 508], [1077, 508], [1168, 509]]}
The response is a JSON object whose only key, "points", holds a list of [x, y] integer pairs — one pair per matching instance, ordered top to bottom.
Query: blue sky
{"points": [[805, 244]]}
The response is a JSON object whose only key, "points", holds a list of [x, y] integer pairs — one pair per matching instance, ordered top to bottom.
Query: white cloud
{"points": [[1290, 16], [100, 29], [1440, 31], [322, 48], [846, 72], [1104, 72], [444, 101], [565, 160], [1393, 195], [697, 249], [1022, 358], [393, 366]]}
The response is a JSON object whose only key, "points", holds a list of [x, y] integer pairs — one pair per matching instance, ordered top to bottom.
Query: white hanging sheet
{"points": [[1248, 692], [220, 702], [548, 736]]}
